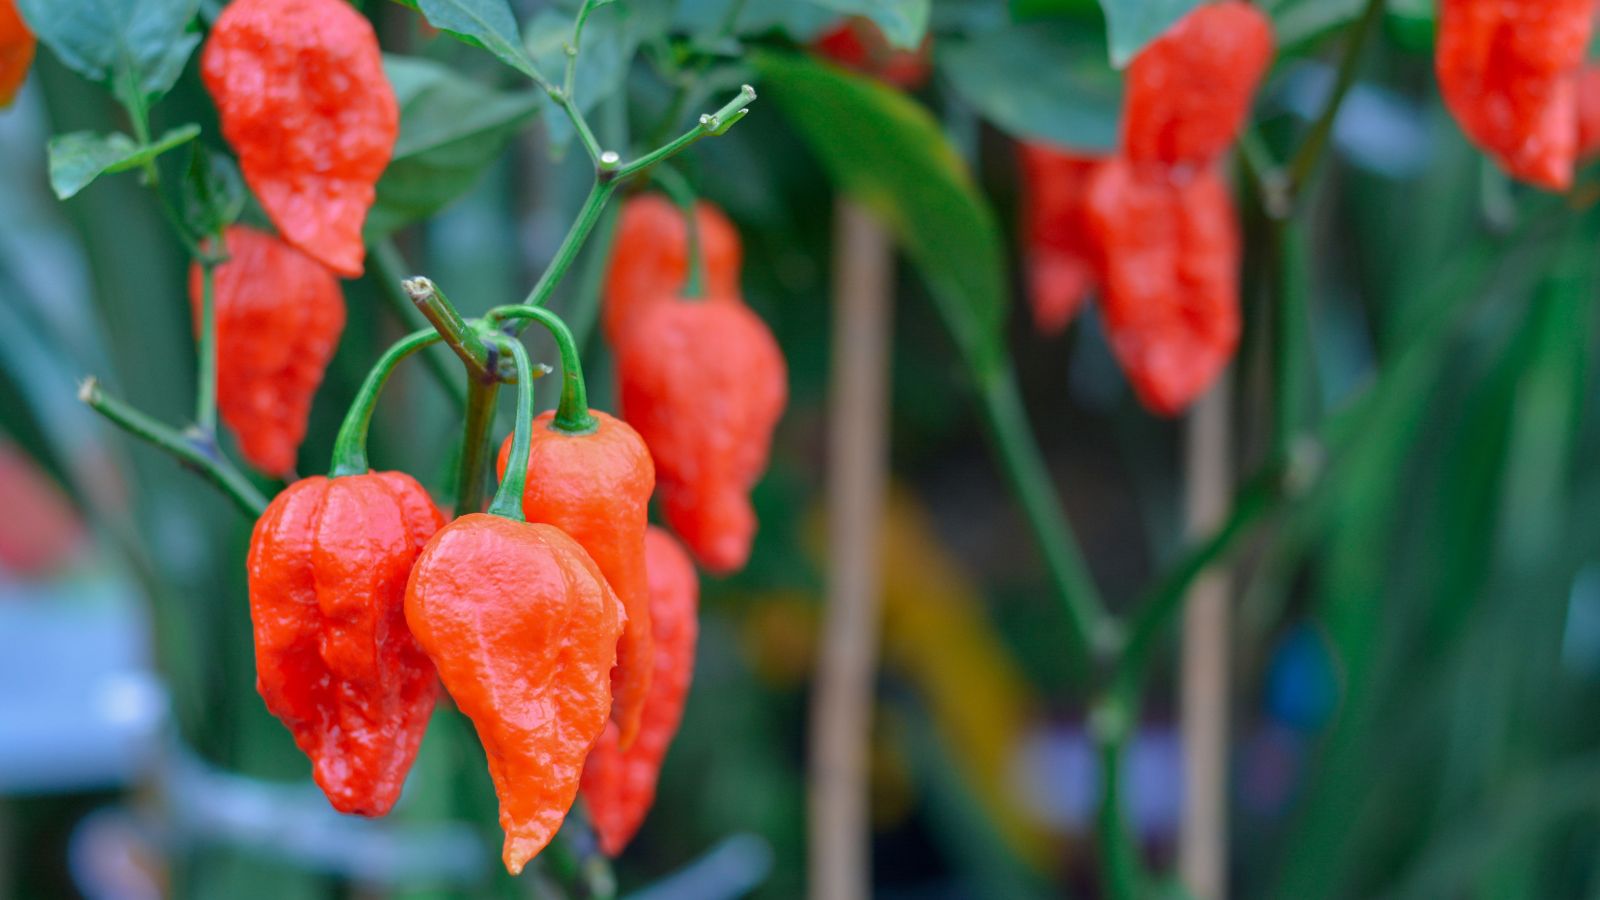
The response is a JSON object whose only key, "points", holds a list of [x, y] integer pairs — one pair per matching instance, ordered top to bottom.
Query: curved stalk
{"points": [[572, 414], [350, 447], [508, 499]]}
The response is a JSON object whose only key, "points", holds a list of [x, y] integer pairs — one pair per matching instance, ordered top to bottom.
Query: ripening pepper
{"points": [[858, 44], [17, 45], [1509, 73], [300, 89], [1189, 92], [1589, 113], [1167, 251], [1059, 253], [651, 259], [278, 316], [704, 383], [596, 487], [328, 565], [523, 629], [620, 784]]}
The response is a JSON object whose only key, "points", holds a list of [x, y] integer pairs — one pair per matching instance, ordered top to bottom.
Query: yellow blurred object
{"points": [[779, 635]]}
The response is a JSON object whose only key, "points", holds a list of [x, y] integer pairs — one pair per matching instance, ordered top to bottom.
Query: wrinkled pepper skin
{"points": [[858, 44], [17, 45], [1509, 72], [1189, 92], [303, 100], [1060, 256], [651, 257], [1168, 257], [279, 315], [704, 383], [596, 487], [523, 630], [335, 662], [620, 784]]}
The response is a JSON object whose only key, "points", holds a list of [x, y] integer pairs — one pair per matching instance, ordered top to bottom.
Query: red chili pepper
{"points": [[858, 44], [17, 45], [1509, 73], [300, 89], [1189, 92], [1589, 113], [1060, 254], [1168, 256], [651, 259], [279, 315], [705, 384], [596, 487], [40, 530], [523, 629], [335, 662], [619, 784]]}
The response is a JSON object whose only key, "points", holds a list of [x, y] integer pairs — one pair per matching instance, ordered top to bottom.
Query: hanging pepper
{"points": [[17, 44], [858, 44], [1509, 72], [1190, 91], [302, 96], [1589, 113], [1060, 254], [651, 259], [1168, 260], [279, 315], [705, 384], [523, 629], [619, 784]]}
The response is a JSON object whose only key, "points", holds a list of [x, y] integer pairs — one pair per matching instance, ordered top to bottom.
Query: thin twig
{"points": [[1304, 164]]}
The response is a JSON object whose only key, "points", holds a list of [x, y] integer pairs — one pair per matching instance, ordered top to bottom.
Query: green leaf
{"points": [[904, 22], [1295, 22], [482, 23], [1134, 23], [138, 47], [1045, 82], [451, 130], [889, 153], [79, 158], [213, 191]]}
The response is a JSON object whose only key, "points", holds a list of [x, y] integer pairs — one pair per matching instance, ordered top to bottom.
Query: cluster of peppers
{"points": [[1153, 227], [559, 621]]}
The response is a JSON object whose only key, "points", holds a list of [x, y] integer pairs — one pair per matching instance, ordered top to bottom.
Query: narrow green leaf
{"points": [[904, 22], [482, 23], [1132, 24], [135, 46], [1042, 82], [451, 130], [889, 153], [77, 159], [213, 191]]}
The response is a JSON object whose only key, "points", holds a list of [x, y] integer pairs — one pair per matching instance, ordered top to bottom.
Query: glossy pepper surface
{"points": [[17, 45], [1509, 73], [1189, 92], [303, 100], [1060, 255], [651, 257], [1168, 257], [278, 316], [704, 383], [596, 487], [523, 630], [335, 662], [620, 784]]}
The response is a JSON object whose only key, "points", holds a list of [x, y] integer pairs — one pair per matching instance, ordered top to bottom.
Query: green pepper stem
{"points": [[677, 187], [588, 215], [205, 413], [572, 413], [350, 447], [508, 499]]}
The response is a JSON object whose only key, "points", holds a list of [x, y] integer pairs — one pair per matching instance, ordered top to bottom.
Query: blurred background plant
{"points": [[1416, 640]]}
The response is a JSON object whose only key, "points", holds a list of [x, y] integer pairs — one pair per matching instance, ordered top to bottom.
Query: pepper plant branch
{"points": [[711, 124], [1304, 163], [682, 194], [577, 235], [389, 270], [446, 320], [205, 413], [572, 414], [192, 449], [1120, 870]]}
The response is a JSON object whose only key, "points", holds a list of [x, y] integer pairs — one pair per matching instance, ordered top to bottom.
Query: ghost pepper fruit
{"points": [[858, 44], [17, 45], [1509, 73], [1190, 91], [303, 100], [1589, 113], [1167, 251], [651, 257], [1060, 261], [278, 316], [704, 383], [596, 486], [523, 629], [335, 662], [619, 785]]}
